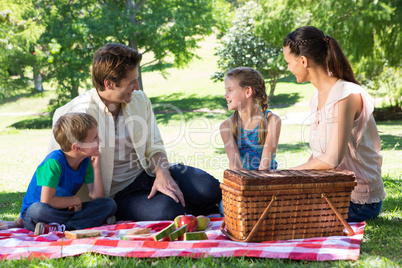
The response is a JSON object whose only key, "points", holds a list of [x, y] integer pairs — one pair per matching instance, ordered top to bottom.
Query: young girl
{"points": [[251, 134], [343, 134]]}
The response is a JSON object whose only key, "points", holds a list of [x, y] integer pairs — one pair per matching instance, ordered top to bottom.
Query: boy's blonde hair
{"points": [[249, 77], [71, 128]]}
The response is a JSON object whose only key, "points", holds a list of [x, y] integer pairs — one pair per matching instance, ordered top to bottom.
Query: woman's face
{"points": [[295, 65]]}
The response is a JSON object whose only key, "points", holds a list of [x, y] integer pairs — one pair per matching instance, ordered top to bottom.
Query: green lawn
{"points": [[193, 138]]}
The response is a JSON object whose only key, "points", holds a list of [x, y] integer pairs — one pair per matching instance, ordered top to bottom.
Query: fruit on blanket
{"points": [[177, 221], [191, 222], [202, 222], [165, 232], [178, 233], [195, 236]]}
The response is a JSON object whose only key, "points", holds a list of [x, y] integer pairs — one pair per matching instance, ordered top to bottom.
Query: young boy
{"points": [[50, 203]]}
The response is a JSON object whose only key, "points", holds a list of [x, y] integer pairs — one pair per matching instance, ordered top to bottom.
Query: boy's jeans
{"points": [[93, 214]]}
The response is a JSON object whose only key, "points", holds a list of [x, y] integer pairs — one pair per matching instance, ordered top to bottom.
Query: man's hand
{"points": [[165, 184]]}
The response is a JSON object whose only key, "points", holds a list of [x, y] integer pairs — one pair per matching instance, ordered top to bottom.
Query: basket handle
{"points": [[343, 221], [254, 231]]}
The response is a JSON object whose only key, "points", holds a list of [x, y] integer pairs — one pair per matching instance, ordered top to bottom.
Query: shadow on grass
{"points": [[288, 79], [21, 95], [284, 100], [184, 102], [178, 106], [40, 122], [389, 142], [293, 147], [10, 203], [382, 237]]}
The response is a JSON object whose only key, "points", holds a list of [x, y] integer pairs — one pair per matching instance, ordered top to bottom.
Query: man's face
{"points": [[122, 93]]}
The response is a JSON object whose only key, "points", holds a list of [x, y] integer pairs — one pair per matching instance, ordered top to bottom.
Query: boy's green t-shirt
{"points": [[55, 172]]}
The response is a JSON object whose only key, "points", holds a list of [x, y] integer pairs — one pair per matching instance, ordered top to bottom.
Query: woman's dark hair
{"points": [[311, 42]]}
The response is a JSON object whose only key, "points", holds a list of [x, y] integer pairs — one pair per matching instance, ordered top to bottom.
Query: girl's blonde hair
{"points": [[248, 77]]}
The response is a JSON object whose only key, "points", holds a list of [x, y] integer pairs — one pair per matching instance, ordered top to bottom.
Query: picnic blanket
{"points": [[19, 243]]}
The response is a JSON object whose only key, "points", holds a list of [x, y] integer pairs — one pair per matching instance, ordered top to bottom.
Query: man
{"points": [[134, 167]]}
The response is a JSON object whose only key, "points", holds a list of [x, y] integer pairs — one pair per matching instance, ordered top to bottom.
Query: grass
{"points": [[193, 138]]}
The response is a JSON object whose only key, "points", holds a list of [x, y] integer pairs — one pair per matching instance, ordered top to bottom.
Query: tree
{"points": [[75, 29], [18, 36], [241, 47]]}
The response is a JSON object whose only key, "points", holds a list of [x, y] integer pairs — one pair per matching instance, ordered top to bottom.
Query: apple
{"points": [[177, 221], [191, 222], [202, 222]]}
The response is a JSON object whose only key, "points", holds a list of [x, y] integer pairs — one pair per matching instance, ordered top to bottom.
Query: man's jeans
{"points": [[201, 192], [358, 212], [93, 214]]}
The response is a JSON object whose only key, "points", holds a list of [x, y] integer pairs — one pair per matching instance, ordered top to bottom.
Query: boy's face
{"points": [[91, 144]]}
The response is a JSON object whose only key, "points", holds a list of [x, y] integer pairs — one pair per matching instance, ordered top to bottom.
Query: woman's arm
{"points": [[348, 110], [271, 141], [230, 145], [95, 189]]}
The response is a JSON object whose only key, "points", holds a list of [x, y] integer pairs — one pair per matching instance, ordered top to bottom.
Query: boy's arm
{"points": [[230, 145], [48, 176], [95, 189], [59, 202]]}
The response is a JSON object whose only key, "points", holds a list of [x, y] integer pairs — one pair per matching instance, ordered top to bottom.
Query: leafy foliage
{"points": [[75, 29], [368, 31], [19, 32], [242, 47], [390, 82]]}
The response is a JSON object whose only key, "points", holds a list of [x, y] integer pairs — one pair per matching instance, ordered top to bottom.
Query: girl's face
{"points": [[295, 65], [235, 95]]}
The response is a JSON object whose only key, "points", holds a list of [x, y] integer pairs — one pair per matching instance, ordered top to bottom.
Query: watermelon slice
{"points": [[165, 232], [178, 233], [195, 236]]}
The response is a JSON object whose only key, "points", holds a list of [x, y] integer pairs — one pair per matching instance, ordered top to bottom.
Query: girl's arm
{"points": [[347, 110], [271, 141], [230, 145], [95, 189], [59, 202]]}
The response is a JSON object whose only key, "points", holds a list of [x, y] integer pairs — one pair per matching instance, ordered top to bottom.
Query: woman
{"points": [[343, 134]]}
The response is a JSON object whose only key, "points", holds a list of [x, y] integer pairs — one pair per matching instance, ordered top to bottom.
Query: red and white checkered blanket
{"points": [[21, 243]]}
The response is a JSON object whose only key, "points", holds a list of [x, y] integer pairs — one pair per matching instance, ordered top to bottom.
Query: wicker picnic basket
{"points": [[285, 204]]}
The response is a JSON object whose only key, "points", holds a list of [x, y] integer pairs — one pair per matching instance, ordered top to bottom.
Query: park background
{"points": [[45, 57]]}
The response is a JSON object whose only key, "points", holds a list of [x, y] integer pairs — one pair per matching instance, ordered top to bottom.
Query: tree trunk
{"points": [[132, 6], [22, 72], [37, 77], [272, 83], [74, 91]]}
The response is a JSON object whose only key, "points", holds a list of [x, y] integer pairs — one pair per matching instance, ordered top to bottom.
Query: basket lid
{"points": [[280, 177]]}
